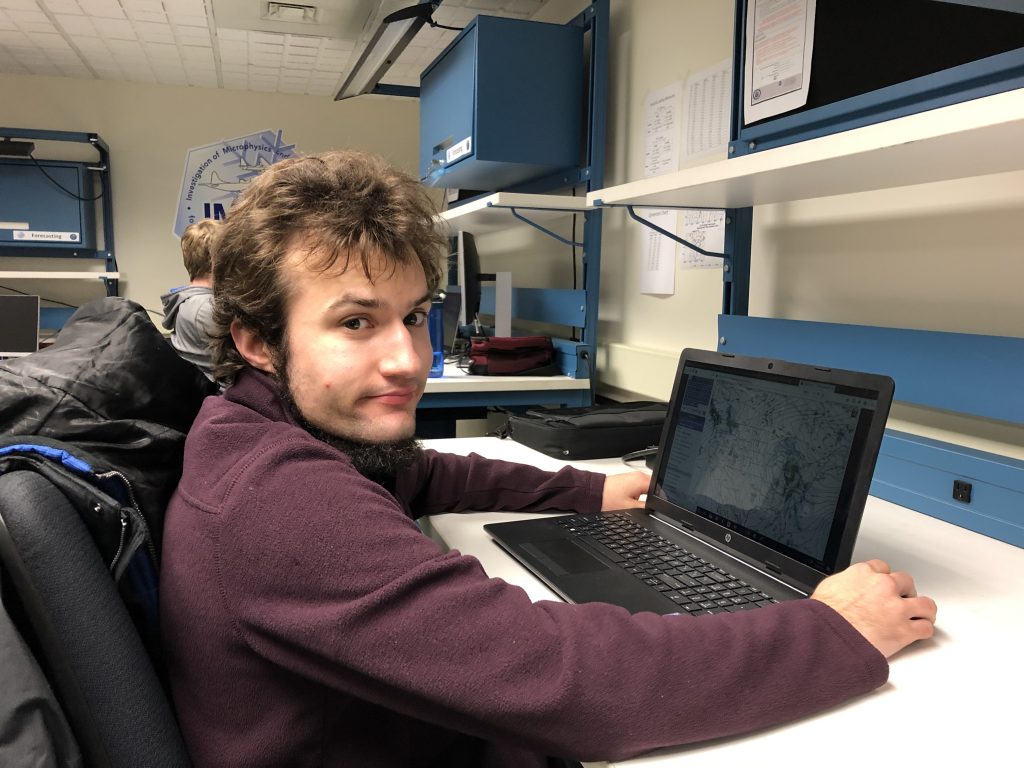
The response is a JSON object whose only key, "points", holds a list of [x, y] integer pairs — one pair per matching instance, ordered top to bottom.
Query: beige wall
{"points": [[150, 128]]}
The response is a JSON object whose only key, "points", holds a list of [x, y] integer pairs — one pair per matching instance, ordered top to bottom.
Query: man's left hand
{"points": [[624, 490]]}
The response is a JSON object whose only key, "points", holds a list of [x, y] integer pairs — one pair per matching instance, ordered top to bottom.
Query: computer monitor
{"points": [[468, 266], [470, 280], [19, 325]]}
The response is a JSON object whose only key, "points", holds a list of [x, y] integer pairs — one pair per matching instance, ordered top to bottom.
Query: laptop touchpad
{"points": [[563, 557]]}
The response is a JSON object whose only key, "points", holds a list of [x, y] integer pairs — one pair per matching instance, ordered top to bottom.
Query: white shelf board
{"points": [[972, 138], [491, 214], [25, 275], [456, 380]]}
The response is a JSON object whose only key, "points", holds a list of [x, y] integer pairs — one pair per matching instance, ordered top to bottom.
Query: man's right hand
{"points": [[881, 605]]}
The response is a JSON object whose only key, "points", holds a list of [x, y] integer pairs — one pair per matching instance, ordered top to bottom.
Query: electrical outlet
{"points": [[962, 491]]}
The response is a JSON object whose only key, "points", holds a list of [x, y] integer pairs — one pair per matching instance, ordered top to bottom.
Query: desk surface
{"points": [[954, 697]]}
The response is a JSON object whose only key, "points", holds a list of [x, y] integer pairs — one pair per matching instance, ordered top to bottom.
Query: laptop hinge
{"points": [[773, 567]]}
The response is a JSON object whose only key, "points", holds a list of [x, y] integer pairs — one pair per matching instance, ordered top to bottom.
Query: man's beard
{"points": [[377, 461]]}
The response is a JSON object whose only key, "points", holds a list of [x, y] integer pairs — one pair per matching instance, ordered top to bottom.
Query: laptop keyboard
{"points": [[692, 583]]}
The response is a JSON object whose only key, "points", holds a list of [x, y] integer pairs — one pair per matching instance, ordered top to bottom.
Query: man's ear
{"points": [[252, 347]]}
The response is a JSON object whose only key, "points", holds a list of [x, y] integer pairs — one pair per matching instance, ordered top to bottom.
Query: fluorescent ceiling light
{"points": [[384, 48]]}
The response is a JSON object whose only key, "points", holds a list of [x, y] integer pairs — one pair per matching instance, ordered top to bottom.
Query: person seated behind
{"points": [[188, 310], [308, 621]]}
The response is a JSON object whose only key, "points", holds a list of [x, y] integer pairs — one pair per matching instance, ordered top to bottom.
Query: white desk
{"points": [[953, 700]]}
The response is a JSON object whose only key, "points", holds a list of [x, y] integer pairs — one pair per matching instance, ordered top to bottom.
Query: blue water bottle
{"points": [[435, 323]]}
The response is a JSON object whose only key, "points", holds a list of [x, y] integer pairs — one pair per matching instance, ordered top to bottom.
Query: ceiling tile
{"points": [[23, 5], [60, 6], [486, 6], [132, 7], [193, 7], [525, 8], [104, 9], [21, 16], [154, 16], [189, 20], [76, 26], [44, 28], [115, 29], [154, 33], [231, 34], [193, 36], [14, 37], [265, 37], [47, 41], [90, 44], [125, 47], [163, 53], [192, 53], [234, 53]]}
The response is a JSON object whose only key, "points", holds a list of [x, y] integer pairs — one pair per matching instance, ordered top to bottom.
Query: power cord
{"points": [[65, 190]]}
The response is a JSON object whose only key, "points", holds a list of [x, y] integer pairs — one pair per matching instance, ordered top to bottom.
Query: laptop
{"points": [[19, 325], [757, 493]]}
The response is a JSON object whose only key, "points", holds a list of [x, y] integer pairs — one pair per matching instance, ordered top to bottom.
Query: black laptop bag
{"points": [[595, 432]]}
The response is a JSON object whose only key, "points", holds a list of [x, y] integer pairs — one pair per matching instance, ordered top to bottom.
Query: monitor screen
{"points": [[468, 261], [19, 325], [772, 457]]}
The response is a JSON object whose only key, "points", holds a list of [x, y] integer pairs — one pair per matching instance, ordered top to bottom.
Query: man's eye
{"points": [[417, 318], [355, 323]]}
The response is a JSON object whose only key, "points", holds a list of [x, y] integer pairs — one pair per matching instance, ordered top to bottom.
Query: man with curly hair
{"points": [[307, 619]]}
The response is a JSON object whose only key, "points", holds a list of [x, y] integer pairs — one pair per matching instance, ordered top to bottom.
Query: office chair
{"points": [[80, 631]]}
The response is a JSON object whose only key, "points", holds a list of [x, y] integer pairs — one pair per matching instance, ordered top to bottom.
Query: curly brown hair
{"points": [[340, 205], [197, 248]]}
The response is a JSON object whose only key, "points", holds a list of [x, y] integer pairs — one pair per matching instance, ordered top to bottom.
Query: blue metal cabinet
{"points": [[502, 105], [44, 219]]}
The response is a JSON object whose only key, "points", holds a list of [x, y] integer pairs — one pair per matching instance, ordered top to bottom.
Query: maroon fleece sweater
{"points": [[309, 622]]}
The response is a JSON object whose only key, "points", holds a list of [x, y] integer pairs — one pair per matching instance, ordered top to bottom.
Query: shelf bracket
{"points": [[545, 230], [672, 236]]}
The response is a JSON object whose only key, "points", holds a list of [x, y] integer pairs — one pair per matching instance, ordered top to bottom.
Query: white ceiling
{"points": [[219, 43]]}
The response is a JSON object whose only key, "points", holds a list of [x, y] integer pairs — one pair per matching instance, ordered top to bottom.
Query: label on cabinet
{"points": [[461, 149], [52, 237]]}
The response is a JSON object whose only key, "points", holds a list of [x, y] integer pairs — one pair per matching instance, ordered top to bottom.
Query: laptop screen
{"points": [[19, 325], [771, 456]]}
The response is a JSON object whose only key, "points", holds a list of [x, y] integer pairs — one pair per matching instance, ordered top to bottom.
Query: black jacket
{"points": [[113, 387]]}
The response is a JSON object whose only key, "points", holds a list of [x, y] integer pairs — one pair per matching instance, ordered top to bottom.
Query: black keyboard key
{"points": [[670, 581]]}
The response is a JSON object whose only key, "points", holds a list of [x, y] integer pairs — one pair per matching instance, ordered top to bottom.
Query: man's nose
{"points": [[400, 358]]}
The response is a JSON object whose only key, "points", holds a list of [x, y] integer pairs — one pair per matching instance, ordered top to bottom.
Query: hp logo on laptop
{"points": [[728, 538]]}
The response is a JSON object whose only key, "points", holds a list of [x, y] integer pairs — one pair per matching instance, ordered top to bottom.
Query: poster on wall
{"points": [[215, 174]]}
